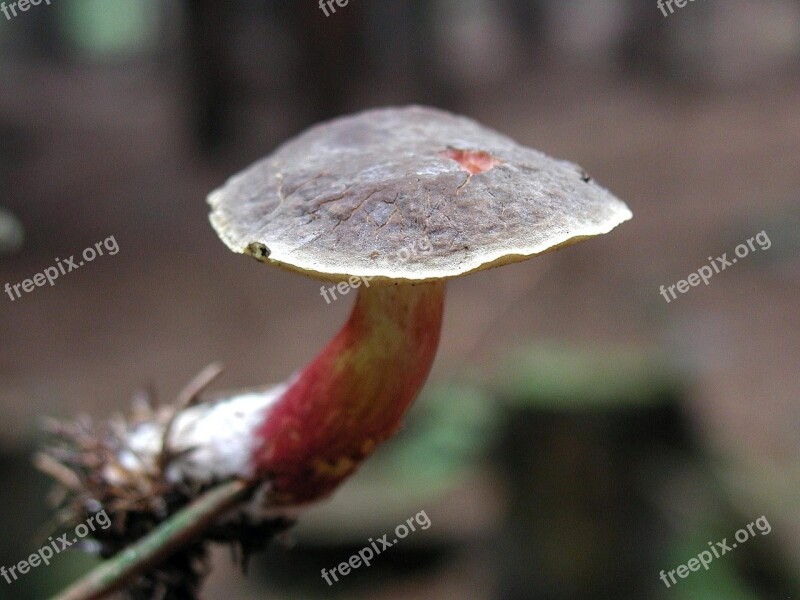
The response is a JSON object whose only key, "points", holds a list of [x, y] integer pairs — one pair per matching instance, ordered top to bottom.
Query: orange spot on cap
{"points": [[473, 162]]}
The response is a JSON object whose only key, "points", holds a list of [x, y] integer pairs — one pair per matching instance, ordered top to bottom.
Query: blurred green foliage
{"points": [[102, 29], [11, 233], [563, 378], [719, 582]]}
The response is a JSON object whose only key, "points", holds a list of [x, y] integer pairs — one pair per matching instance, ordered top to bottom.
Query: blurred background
{"points": [[579, 434]]}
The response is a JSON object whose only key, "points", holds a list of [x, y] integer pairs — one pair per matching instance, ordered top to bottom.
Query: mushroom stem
{"points": [[354, 394]]}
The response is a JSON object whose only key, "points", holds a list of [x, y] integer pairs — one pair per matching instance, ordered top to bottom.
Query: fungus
{"points": [[401, 198], [346, 201]]}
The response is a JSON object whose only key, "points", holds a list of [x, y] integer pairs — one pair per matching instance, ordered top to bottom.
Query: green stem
{"points": [[169, 537]]}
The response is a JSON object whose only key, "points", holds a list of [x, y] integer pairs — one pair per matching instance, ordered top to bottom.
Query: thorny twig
{"points": [[188, 397], [169, 537], [157, 541]]}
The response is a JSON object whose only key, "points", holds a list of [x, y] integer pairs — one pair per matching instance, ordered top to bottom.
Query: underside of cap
{"points": [[407, 195]]}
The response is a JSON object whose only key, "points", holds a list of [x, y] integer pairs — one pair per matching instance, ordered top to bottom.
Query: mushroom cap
{"points": [[407, 195]]}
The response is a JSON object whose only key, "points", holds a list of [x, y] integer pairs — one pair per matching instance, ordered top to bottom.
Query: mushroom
{"points": [[399, 200], [353, 201], [393, 202]]}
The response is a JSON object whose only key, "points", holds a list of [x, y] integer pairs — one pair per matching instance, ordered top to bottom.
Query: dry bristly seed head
{"points": [[86, 461]]}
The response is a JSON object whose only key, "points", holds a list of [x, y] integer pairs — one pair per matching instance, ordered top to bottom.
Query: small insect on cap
{"points": [[344, 197]]}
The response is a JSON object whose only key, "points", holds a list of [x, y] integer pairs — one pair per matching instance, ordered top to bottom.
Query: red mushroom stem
{"points": [[354, 394]]}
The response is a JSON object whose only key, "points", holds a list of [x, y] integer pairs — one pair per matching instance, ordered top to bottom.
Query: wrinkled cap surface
{"points": [[411, 194]]}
